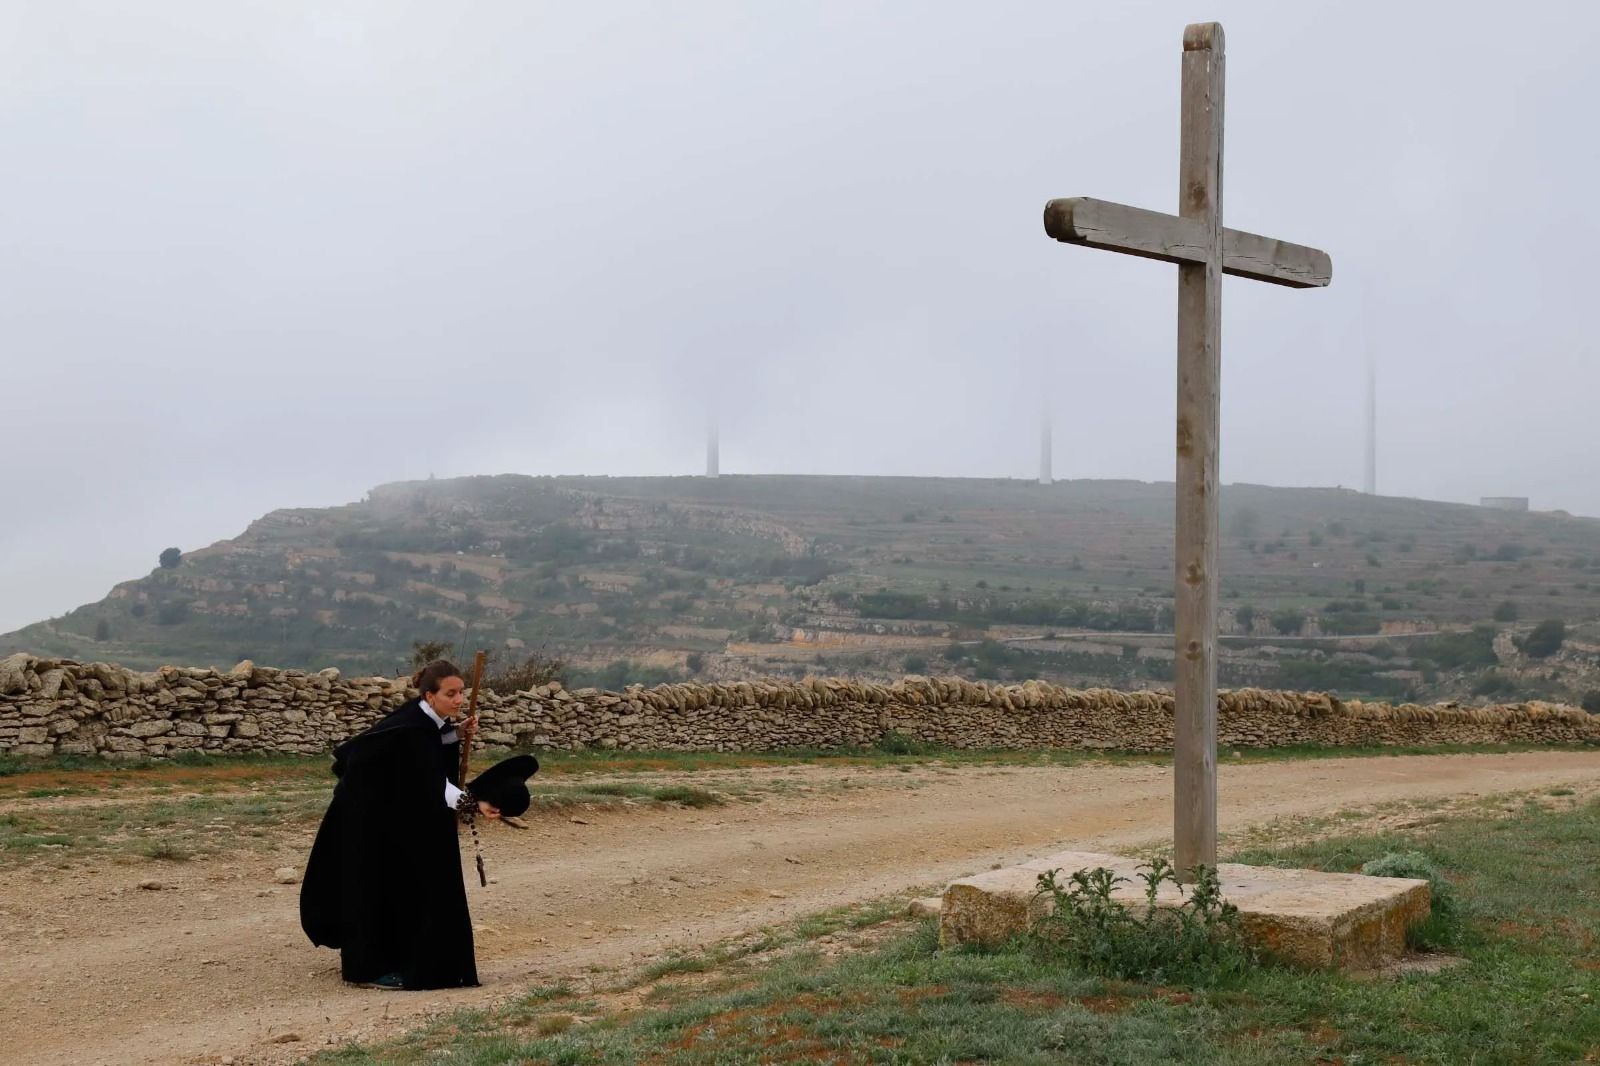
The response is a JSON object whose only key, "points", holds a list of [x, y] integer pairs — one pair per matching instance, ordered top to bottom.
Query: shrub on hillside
{"points": [[172, 613], [1288, 622], [1545, 640], [1455, 651], [1494, 684]]}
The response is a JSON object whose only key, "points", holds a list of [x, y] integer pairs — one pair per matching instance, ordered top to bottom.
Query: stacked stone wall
{"points": [[59, 707]]}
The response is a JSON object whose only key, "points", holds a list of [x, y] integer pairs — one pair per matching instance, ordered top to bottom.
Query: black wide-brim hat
{"points": [[504, 786]]}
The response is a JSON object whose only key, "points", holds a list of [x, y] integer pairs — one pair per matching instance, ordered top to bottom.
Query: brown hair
{"points": [[430, 677]]}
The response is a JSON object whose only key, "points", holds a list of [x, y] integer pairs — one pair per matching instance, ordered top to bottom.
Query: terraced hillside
{"points": [[649, 578]]}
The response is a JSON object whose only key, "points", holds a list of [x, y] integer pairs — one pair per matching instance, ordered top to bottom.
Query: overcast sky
{"points": [[267, 254]]}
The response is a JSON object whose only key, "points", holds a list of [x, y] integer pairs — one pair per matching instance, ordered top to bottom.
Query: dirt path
{"points": [[96, 970]]}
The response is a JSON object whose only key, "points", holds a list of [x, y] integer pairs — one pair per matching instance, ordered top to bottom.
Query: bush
{"points": [[170, 558], [892, 605], [1506, 612], [172, 613], [1288, 622], [1349, 624], [102, 630], [1545, 640], [1454, 651], [424, 652], [694, 662], [916, 664], [537, 669], [620, 673], [1319, 675], [1494, 684], [1591, 701], [1442, 927], [1197, 941]]}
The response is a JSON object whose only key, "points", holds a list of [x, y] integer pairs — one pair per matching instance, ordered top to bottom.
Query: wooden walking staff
{"points": [[1196, 241], [469, 729]]}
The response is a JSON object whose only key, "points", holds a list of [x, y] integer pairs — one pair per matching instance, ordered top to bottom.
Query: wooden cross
{"points": [[1194, 239]]}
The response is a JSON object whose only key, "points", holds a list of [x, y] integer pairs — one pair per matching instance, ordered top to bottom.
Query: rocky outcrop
{"points": [[57, 706]]}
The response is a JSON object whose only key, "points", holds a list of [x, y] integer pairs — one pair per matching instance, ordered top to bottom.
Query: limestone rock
{"points": [[14, 674], [1308, 917]]}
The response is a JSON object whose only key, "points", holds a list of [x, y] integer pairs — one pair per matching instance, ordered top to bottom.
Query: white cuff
{"points": [[451, 794]]}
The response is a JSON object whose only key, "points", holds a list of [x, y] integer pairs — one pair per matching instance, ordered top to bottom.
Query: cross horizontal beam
{"points": [[1171, 239]]}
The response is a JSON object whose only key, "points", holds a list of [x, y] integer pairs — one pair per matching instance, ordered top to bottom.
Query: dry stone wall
{"points": [[56, 706]]}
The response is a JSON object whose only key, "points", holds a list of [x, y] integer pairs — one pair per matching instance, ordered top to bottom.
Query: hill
{"points": [[651, 578]]}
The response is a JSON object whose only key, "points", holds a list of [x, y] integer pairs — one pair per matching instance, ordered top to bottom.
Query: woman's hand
{"points": [[488, 810]]}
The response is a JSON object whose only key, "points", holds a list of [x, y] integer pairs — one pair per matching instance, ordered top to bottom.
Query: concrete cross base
{"points": [[1343, 921]]}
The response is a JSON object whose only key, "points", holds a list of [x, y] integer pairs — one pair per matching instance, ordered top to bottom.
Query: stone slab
{"points": [[1307, 917]]}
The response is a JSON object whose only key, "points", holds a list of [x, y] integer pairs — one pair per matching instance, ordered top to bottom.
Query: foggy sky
{"points": [[257, 255]]}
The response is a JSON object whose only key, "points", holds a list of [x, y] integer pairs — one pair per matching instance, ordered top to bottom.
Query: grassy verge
{"points": [[20, 775], [199, 824], [166, 830], [1529, 899]]}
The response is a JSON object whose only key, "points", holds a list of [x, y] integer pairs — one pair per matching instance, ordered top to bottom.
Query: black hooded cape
{"points": [[383, 883]]}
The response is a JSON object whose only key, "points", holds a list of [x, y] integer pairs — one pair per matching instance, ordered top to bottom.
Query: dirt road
{"points": [[94, 969]]}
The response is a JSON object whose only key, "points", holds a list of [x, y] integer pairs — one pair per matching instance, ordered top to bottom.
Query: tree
{"points": [[171, 558], [1506, 612], [1245, 616], [1288, 622], [102, 630], [1545, 640], [424, 652], [694, 662], [537, 669], [1591, 701]]}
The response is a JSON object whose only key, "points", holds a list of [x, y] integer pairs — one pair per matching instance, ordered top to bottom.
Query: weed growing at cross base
{"points": [[1527, 912], [1195, 941]]}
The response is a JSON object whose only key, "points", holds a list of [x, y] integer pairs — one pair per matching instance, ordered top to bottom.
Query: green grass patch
{"points": [[13, 765], [75, 774], [166, 829], [1527, 898]]}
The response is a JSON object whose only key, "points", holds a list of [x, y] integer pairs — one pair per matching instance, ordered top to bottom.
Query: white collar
{"points": [[427, 709]]}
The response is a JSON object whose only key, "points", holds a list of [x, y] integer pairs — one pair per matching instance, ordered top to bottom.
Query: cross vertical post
{"points": [[1204, 250], [1199, 415]]}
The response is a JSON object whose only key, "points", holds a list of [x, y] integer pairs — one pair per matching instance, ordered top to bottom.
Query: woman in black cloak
{"points": [[384, 883]]}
